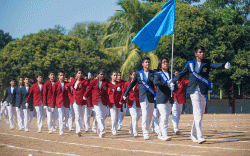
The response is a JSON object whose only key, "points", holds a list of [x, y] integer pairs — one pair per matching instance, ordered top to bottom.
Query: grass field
{"points": [[226, 134]]}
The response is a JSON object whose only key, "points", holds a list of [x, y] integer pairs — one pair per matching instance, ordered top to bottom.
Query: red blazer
{"points": [[79, 91], [36, 94], [47, 94], [70, 94], [98, 94], [180, 94], [114, 95], [133, 95], [60, 96]]}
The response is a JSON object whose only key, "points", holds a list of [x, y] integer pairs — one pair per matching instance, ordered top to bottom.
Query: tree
{"points": [[5, 38]]}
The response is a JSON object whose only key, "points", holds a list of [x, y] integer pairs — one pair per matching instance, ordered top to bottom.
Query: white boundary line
{"points": [[120, 149], [34, 150]]}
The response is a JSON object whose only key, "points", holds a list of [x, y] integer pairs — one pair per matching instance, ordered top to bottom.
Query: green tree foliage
{"points": [[5, 38]]}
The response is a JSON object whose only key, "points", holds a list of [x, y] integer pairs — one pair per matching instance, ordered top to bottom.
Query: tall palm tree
{"points": [[121, 29]]}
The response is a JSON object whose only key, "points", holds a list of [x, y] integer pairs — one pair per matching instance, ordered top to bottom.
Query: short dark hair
{"points": [[198, 47], [145, 58], [79, 69], [176, 69], [100, 70], [61, 71], [51, 72], [118, 72], [112, 73], [37, 75], [95, 75], [72, 76], [21, 77], [26, 77], [12, 79]]}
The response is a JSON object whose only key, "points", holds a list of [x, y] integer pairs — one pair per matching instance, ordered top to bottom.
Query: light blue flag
{"points": [[162, 24]]}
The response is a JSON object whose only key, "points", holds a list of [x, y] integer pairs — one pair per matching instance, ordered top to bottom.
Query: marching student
{"points": [[144, 78], [79, 86], [198, 87], [36, 92], [10, 93], [163, 97], [114, 98], [100, 99], [61, 100], [179, 100], [47, 102], [133, 104], [18, 105], [89, 108], [27, 109], [71, 109], [123, 110], [94, 125]]}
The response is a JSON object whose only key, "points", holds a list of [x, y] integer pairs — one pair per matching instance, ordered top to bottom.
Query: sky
{"points": [[22, 17]]}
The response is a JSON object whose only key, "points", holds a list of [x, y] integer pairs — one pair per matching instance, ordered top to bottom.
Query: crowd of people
{"points": [[149, 94]]}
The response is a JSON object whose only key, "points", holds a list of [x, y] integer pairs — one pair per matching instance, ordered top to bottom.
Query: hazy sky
{"points": [[22, 17]]}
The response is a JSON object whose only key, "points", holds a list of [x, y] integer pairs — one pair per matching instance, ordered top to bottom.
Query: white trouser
{"points": [[199, 104], [164, 110], [101, 111], [107, 112], [4, 113], [19, 113], [79, 113], [114, 113], [147, 113], [40, 114], [122, 114], [176, 114], [12, 115], [63, 115], [87, 115], [28, 116], [135, 116], [55, 117], [71, 117], [50, 118], [155, 122], [94, 126]]}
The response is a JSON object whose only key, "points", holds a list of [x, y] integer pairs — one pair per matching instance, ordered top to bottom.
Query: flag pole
{"points": [[172, 62]]}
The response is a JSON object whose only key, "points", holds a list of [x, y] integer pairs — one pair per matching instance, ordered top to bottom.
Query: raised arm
{"points": [[181, 74]]}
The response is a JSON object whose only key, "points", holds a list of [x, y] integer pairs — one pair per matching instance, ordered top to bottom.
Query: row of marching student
{"points": [[147, 93]]}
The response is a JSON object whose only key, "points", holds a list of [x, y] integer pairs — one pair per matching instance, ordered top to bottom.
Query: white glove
{"points": [[227, 65], [169, 82], [172, 86], [118, 89], [124, 97], [84, 98], [27, 105], [45, 107], [52, 109]]}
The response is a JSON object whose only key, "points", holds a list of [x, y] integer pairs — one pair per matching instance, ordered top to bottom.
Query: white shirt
{"points": [[197, 67], [146, 73], [167, 74], [52, 83], [99, 84], [62, 85], [40, 86], [75, 86], [11, 89], [27, 89]]}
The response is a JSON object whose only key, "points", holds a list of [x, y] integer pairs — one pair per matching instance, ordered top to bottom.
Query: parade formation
{"points": [[149, 94]]}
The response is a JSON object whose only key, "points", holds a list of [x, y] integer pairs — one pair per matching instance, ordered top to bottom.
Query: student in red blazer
{"points": [[79, 86], [36, 92], [114, 98], [100, 99], [179, 100], [61, 101], [47, 102], [133, 105], [89, 108], [71, 109], [123, 110]]}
